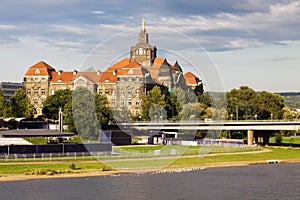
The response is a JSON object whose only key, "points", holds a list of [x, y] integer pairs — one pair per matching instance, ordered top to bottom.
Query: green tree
{"points": [[153, 97], [242, 101], [54, 102], [248, 104], [3, 105], [20, 105], [270, 105], [103, 111], [84, 114], [121, 115], [68, 117]]}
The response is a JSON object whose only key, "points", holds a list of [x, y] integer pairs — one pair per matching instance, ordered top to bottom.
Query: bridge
{"points": [[254, 129]]}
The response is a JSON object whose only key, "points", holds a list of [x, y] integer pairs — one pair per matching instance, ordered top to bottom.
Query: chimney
{"points": [[60, 72], [75, 72], [115, 72]]}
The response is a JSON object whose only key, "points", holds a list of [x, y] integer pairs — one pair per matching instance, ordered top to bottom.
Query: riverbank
{"points": [[184, 163]]}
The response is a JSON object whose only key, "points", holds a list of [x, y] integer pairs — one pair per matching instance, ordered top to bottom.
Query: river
{"points": [[273, 181]]}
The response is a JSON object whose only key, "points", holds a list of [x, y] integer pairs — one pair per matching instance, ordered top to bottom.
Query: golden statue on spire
{"points": [[143, 25]]}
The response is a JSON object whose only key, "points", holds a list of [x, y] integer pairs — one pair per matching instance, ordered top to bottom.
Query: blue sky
{"points": [[227, 43]]}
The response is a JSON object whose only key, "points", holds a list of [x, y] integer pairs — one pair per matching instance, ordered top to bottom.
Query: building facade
{"points": [[124, 83], [9, 89]]}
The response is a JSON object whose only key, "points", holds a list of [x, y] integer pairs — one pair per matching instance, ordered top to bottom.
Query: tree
{"points": [[153, 97], [177, 100], [242, 101], [54, 102], [249, 104], [3, 105], [20, 105], [270, 105], [103, 111], [190, 111], [84, 114], [121, 115], [68, 117]]}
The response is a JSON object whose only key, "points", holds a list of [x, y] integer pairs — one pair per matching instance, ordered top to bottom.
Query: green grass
{"points": [[287, 140], [282, 154], [57, 167]]}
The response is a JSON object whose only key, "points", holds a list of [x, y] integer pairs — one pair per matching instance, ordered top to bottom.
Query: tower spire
{"points": [[143, 25]]}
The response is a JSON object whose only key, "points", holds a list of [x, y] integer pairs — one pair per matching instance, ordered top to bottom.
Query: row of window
{"points": [[35, 79], [130, 79], [36, 92], [122, 92], [36, 101], [123, 103]]}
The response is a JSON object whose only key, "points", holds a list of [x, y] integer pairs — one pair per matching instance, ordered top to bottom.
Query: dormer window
{"points": [[37, 71]]}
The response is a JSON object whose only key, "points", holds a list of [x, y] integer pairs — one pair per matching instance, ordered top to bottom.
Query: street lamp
{"points": [[231, 115], [271, 116], [294, 116], [255, 117]]}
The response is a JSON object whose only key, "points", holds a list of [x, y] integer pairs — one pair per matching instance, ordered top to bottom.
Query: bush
{"points": [[278, 138], [73, 166]]}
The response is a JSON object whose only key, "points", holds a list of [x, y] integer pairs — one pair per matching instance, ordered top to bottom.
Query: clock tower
{"points": [[143, 52]]}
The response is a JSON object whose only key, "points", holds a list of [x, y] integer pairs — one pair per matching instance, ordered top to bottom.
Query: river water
{"points": [[273, 181]]}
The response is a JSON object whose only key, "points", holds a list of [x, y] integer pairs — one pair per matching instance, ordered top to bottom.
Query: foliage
{"points": [[153, 97], [54, 102], [249, 104], [3, 105], [20, 105], [103, 111], [190, 111], [84, 114], [121, 115], [68, 117], [278, 138]]}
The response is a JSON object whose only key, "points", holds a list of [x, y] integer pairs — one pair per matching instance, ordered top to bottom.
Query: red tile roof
{"points": [[120, 64], [40, 69], [107, 76], [66, 77], [191, 79]]}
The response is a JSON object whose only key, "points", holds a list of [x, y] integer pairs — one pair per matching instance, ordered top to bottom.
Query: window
{"points": [[141, 51], [36, 79], [100, 91], [107, 91], [29, 92], [36, 92], [43, 92], [52, 92], [113, 92], [122, 92], [137, 92], [129, 93], [35, 102], [113, 102], [122, 102], [129, 102], [137, 102]]}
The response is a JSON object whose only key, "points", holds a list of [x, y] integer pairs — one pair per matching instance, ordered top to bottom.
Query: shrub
{"points": [[278, 138], [72, 166]]}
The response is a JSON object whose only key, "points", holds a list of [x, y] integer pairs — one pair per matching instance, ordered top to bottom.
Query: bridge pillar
{"points": [[250, 135]]}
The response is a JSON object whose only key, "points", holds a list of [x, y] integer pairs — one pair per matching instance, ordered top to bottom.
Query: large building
{"points": [[123, 83], [9, 89]]}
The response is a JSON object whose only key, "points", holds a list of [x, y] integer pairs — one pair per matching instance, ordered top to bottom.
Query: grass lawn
{"points": [[287, 140], [64, 166]]}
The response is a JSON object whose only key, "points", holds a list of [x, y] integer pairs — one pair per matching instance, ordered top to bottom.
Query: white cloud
{"points": [[98, 12]]}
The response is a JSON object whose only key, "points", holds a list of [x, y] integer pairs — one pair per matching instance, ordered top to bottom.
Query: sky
{"points": [[226, 43]]}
